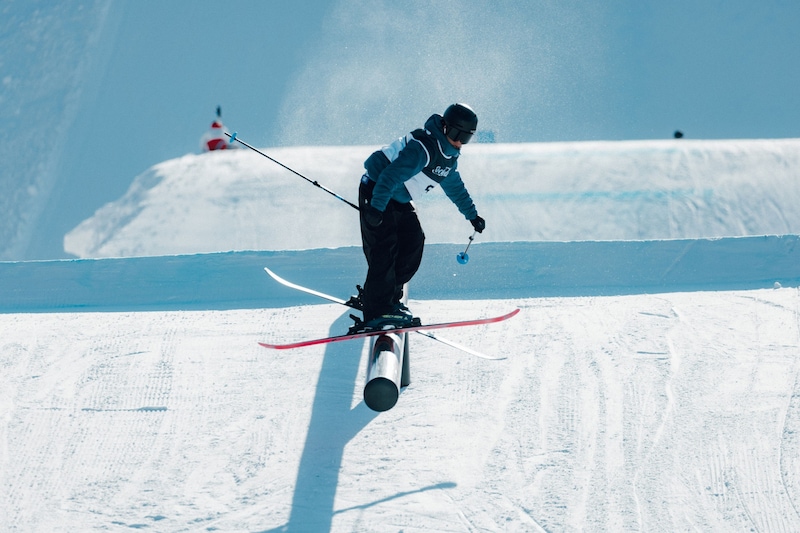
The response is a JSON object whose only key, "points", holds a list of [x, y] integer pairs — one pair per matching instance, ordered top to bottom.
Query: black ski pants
{"points": [[393, 251]]}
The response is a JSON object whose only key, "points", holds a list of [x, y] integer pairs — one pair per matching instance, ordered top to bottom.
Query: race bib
{"points": [[419, 185]]}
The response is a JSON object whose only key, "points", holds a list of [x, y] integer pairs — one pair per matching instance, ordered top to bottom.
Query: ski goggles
{"points": [[456, 135]]}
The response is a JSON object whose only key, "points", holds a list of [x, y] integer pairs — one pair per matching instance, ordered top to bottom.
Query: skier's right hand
{"points": [[372, 216], [479, 224]]}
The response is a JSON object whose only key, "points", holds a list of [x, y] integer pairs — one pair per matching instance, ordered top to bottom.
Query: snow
{"points": [[40, 100], [632, 190], [651, 381]]}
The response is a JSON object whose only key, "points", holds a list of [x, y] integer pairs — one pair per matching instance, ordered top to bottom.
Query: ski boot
{"points": [[357, 301], [399, 317]]}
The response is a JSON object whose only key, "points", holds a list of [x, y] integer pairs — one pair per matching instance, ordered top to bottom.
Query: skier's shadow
{"points": [[333, 424]]}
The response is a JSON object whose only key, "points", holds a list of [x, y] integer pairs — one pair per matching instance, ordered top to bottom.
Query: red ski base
{"points": [[339, 338]]}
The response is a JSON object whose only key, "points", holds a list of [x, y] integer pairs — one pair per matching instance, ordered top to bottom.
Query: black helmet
{"points": [[460, 122]]}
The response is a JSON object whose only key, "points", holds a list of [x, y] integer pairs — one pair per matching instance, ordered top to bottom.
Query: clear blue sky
{"points": [[358, 72]]}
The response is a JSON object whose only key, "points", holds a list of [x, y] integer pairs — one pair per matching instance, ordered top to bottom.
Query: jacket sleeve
{"points": [[409, 162], [453, 186]]}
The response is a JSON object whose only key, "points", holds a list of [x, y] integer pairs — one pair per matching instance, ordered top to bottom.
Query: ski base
{"points": [[349, 303], [424, 327]]}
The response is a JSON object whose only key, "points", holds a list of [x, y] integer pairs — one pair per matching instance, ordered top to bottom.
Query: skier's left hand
{"points": [[372, 216], [479, 224]]}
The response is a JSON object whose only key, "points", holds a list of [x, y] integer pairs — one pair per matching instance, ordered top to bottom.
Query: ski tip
{"points": [[274, 276], [274, 346]]}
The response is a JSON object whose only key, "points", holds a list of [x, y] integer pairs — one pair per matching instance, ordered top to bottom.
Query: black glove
{"points": [[372, 216], [479, 224]]}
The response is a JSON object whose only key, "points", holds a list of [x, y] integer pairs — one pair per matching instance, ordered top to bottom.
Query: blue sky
{"points": [[363, 72]]}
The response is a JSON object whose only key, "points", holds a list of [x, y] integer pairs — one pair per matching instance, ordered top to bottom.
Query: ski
{"points": [[306, 290], [334, 299], [372, 333]]}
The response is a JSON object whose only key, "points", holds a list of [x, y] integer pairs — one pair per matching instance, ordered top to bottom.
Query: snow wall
{"points": [[232, 280]]}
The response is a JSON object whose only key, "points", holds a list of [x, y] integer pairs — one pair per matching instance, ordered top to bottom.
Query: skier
{"points": [[391, 234]]}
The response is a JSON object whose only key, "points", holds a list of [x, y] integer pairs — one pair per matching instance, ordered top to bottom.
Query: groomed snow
{"points": [[663, 412]]}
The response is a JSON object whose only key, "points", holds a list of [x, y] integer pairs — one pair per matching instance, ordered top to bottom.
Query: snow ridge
{"points": [[633, 190]]}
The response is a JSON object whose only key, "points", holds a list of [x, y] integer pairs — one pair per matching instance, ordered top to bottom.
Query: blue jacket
{"points": [[413, 165]]}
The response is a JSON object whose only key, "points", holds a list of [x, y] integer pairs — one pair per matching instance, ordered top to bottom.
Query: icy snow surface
{"points": [[649, 384]]}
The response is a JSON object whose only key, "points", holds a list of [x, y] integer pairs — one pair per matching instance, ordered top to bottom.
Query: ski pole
{"points": [[312, 182], [463, 258]]}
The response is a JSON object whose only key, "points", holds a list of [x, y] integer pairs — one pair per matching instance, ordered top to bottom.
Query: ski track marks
{"points": [[668, 412]]}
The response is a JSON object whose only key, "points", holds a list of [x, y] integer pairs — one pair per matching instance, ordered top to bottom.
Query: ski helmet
{"points": [[460, 123]]}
